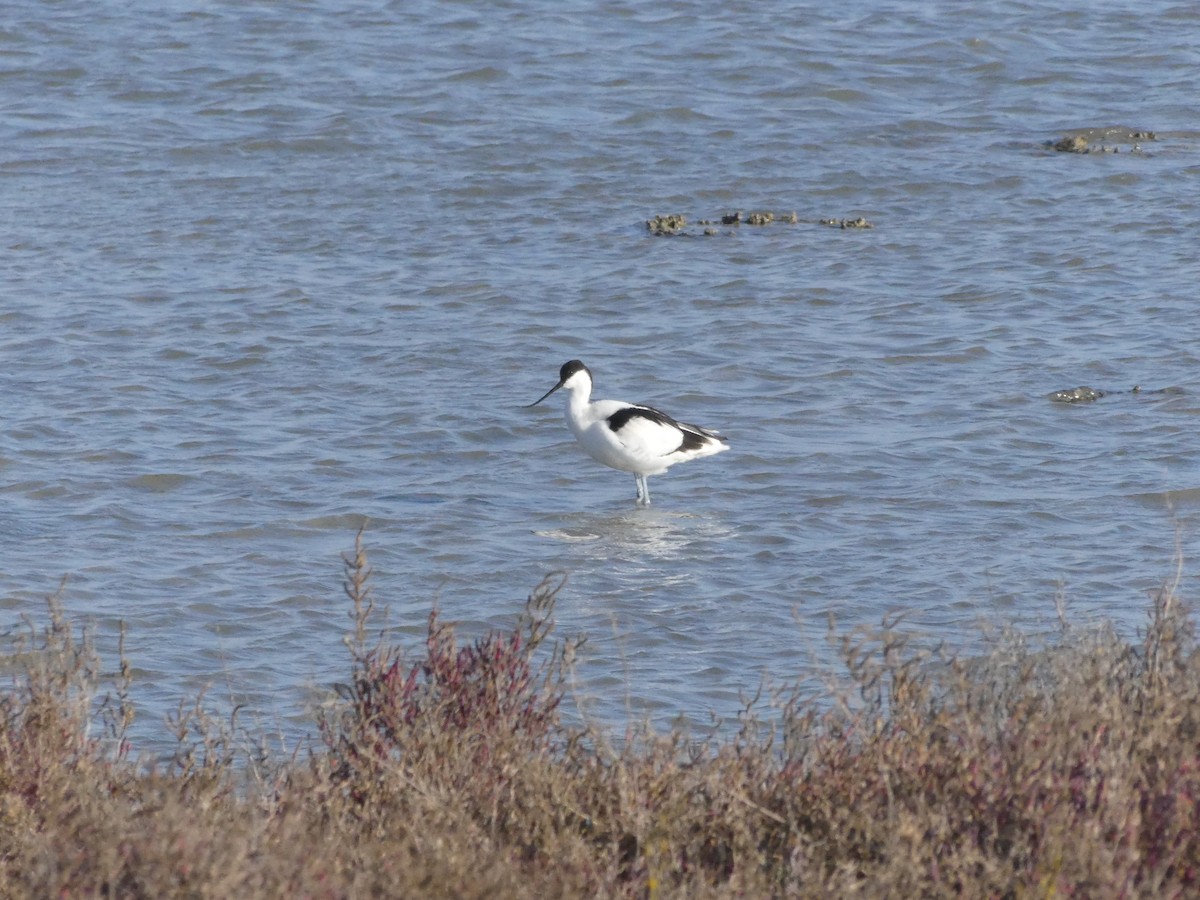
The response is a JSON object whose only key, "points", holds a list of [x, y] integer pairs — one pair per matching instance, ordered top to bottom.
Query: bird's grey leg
{"points": [[643, 490]]}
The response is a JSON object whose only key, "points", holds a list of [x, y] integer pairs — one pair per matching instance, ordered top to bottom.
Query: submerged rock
{"points": [[1101, 140], [1075, 143], [860, 222], [676, 223], [666, 225], [1082, 394], [1085, 394]]}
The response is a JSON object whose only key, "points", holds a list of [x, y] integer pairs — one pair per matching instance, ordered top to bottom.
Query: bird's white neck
{"points": [[578, 391]]}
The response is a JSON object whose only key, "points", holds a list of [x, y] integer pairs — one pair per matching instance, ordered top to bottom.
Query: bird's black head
{"points": [[569, 369]]}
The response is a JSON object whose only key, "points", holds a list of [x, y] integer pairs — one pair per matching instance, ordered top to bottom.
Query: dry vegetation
{"points": [[448, 772]]}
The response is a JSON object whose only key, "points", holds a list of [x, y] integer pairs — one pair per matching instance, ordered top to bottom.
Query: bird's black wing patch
{"points": [[621, 417], [691, 437], [692, 440]]}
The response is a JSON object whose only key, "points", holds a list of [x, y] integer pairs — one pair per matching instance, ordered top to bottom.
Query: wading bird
{"points": [[629, 436]]}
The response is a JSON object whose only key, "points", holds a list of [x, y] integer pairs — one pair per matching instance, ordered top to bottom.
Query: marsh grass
{"points": [[448, 771]]}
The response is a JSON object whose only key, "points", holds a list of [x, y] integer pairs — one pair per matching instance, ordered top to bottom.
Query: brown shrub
{"points": [[1072, 771]]}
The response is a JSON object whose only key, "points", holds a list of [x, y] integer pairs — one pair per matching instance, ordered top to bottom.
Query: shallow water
{"points": [[272, 271]]}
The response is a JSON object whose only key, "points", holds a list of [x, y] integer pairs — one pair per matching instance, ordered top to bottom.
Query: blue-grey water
{"points": [[273, 270]]}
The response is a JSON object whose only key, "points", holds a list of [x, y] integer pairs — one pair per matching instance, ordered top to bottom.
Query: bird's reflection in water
{"points": [[646, 533]]}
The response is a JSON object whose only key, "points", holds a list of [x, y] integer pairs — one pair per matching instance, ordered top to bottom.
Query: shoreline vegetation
{"points": [[449, 771]]}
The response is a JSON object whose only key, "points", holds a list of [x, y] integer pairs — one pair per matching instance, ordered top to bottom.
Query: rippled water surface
{"points": [[274, 270]]}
